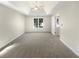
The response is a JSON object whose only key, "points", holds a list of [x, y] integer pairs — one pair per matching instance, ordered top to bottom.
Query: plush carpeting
{"points": [[37, 45]]}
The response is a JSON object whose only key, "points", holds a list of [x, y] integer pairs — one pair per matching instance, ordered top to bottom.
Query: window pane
{"points": [[36, 22], [40, 22]]}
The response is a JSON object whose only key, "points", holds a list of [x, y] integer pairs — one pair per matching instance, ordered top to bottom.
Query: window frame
{"points": [[38, 21]]}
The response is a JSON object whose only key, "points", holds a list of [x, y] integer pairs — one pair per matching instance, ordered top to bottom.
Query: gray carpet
{"points": [[37, 45]]}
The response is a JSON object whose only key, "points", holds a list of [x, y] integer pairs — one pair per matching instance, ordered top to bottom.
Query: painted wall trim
{"points": [[37, 32], [10, 42], [69, 47]]}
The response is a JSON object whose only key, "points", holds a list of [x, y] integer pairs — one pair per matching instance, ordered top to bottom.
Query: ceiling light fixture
{"points": [[37, 5]]}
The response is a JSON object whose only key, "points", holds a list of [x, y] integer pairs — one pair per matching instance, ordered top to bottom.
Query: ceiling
{"points": [[26, 6]]}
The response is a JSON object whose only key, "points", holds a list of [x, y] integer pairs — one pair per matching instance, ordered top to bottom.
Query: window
{"points": [[38, 22]]}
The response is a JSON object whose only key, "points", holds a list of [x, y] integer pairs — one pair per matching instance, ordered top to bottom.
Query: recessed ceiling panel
{"points": [[26, 6]]}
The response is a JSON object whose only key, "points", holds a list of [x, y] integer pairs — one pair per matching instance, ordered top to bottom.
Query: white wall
{"points": [[69, 14], [29, 23], [11, 25], [53, 25]]}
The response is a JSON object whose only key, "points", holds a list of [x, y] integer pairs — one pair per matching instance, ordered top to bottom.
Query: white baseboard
{"points": [[10, 41], [70, 47]]}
